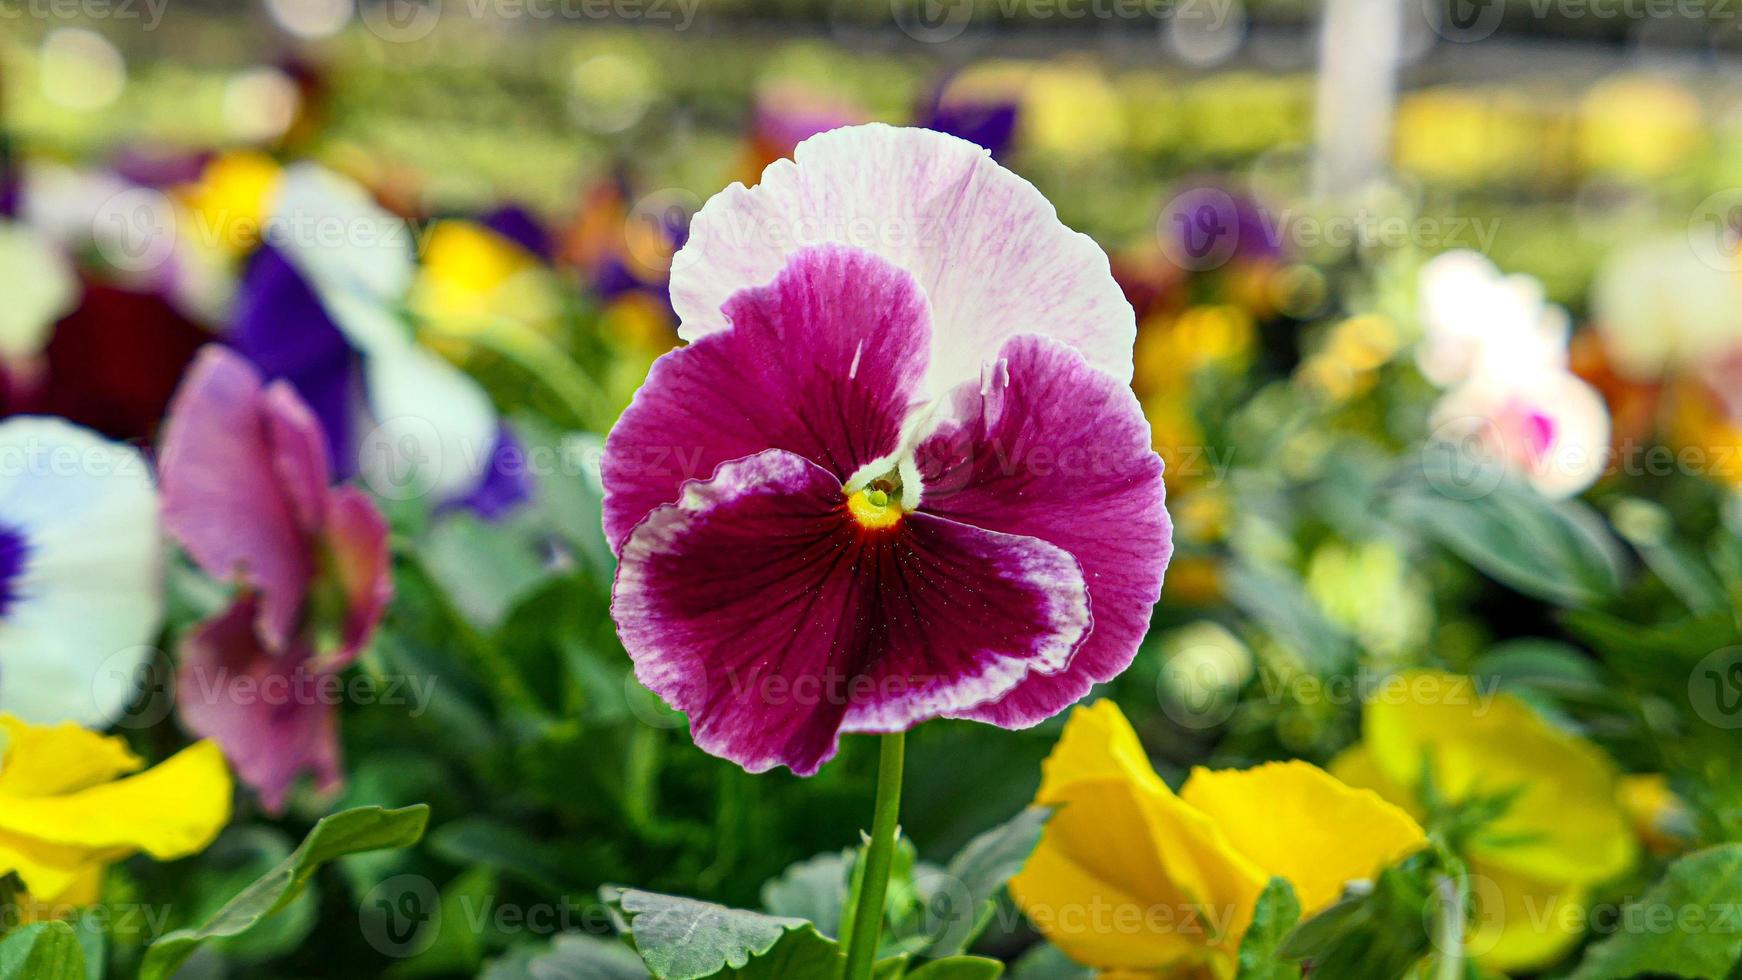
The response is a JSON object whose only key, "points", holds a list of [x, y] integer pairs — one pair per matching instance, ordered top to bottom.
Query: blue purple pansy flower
{"points": [[320, 306]]}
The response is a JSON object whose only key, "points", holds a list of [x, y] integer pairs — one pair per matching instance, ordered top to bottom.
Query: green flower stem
{"points": [[879, 859], [1449, 932]]}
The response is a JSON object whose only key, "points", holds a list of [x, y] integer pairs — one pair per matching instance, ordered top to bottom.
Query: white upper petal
{"points": [[985, 246], [353, 252], [39, 287], [1477, 321], [438, 427], [90, 594]]}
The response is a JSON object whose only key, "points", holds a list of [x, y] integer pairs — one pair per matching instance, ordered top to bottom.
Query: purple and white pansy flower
{"points": [[322, 307], [898, 472], [81, 589]]}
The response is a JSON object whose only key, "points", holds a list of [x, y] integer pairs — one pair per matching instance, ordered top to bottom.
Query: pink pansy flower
{"points": [[1551, 428], [898, 472], [246, 492]]}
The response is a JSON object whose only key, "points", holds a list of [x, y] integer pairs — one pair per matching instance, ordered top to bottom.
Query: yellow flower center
{"points": [[873, 509]]}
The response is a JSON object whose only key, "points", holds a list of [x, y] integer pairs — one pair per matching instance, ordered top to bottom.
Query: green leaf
{"points": [[1561, 551], [483, 567], [1279, 603], [363, 829], [483, 840], [239, 856], [813, 889], [1277, 912], [957, 913], [1682, 925], [1374, 934], [685, 939], [455, 943], [44, 951], [801, 954], [574, 956], [1048, 962], [891, 968], [959, 968]]}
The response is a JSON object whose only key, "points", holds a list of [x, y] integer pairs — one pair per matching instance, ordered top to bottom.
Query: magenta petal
{"points": [[822, 362], [1050, 447], [299, 454], [222, 497], [361, 562], [760, 608], [271, 714]]}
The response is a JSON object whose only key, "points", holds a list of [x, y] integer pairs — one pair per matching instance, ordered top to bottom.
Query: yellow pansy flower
{"points": [[229, 202], [473, 279], [73, 802], [1659, 817], [1561, 832], [1134, 879]]}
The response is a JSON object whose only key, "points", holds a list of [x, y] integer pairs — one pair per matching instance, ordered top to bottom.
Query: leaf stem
{"points": [[879, 859]]}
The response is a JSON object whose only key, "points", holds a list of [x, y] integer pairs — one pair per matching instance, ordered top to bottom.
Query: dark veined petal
{"points": [[822, 362], [1049, 447], [761, 608]]}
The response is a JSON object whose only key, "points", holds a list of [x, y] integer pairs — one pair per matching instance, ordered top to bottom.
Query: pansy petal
{"points": [[344, 243], [986, 248], [39, 285], [280, 326], [823, 362], [439, 423], [1048, 447], [299, 454], [506, 484], [221, 496], [356, 542], [88, 596], [764, 611], [269, 712], [1098, 742], [45, 760], [1356, 767], [171, 810], [1296, 821], [1563, 824], [1122, 846], [49, 871], [1099, 886], [1519, 924]]}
